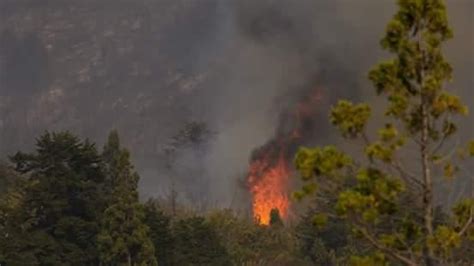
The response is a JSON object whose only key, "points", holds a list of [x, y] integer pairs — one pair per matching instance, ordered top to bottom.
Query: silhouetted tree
{"points": [[418, 119], [54, 218], [275, 218], [160, 233], [123, 237], [197, 243]]}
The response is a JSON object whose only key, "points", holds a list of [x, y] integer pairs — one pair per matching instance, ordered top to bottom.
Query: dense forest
{"points": [[371, 199]]}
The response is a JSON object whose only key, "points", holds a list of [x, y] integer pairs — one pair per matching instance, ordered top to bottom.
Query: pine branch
{"points": [[385, 249]]}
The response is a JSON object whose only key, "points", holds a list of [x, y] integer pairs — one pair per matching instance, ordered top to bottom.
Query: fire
{"points": [[269, 170], [268, 186]]}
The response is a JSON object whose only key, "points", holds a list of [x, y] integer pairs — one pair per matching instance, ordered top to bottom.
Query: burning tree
{"points": [[270, 170], [268, 180], [373, 193]]}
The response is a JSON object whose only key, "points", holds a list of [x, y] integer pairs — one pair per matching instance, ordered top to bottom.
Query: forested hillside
{"points": [[93, 65], [179, 132]]}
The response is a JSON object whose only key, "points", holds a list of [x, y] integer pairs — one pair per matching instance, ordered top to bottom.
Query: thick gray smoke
{"points": [[276, 47], [150, 67]]}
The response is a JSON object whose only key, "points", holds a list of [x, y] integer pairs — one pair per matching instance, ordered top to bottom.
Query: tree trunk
{"points": [[428, 184], [173, 201], [129, 259]]}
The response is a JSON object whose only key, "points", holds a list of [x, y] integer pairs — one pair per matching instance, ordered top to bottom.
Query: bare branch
{"points": [[365, 138], [443, 140], [440, 144], [449, 154], [410, 177], [468, 223]]}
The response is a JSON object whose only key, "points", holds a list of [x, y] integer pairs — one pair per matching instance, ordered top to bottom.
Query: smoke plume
{"points": [[150, 67]]}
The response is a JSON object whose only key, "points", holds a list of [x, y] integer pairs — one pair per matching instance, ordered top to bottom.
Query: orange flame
{"points": [[269, 172], [268, 186]]}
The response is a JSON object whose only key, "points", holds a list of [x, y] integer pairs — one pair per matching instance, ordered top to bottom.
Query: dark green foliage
{"points": [[8, 177], [70, 206], [53, 218], [275, 218], [160, 233], [334, 236], [12, 237], [123, 238], [197, 243], [248, 243], [325, 243], [320, 254]]}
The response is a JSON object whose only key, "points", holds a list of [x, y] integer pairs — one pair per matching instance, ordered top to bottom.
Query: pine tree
{"points": [[8, 177], [389, 202], [51, 219], [160, 233], [12, 237], [123, 239], [197, 243]]}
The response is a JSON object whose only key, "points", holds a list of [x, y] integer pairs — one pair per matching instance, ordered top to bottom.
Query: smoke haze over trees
{"points": [[150, 67], [230, 113]]}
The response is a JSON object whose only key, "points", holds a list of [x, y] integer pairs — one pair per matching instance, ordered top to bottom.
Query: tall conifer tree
{"points": [[419, 117], [123, 239]]}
